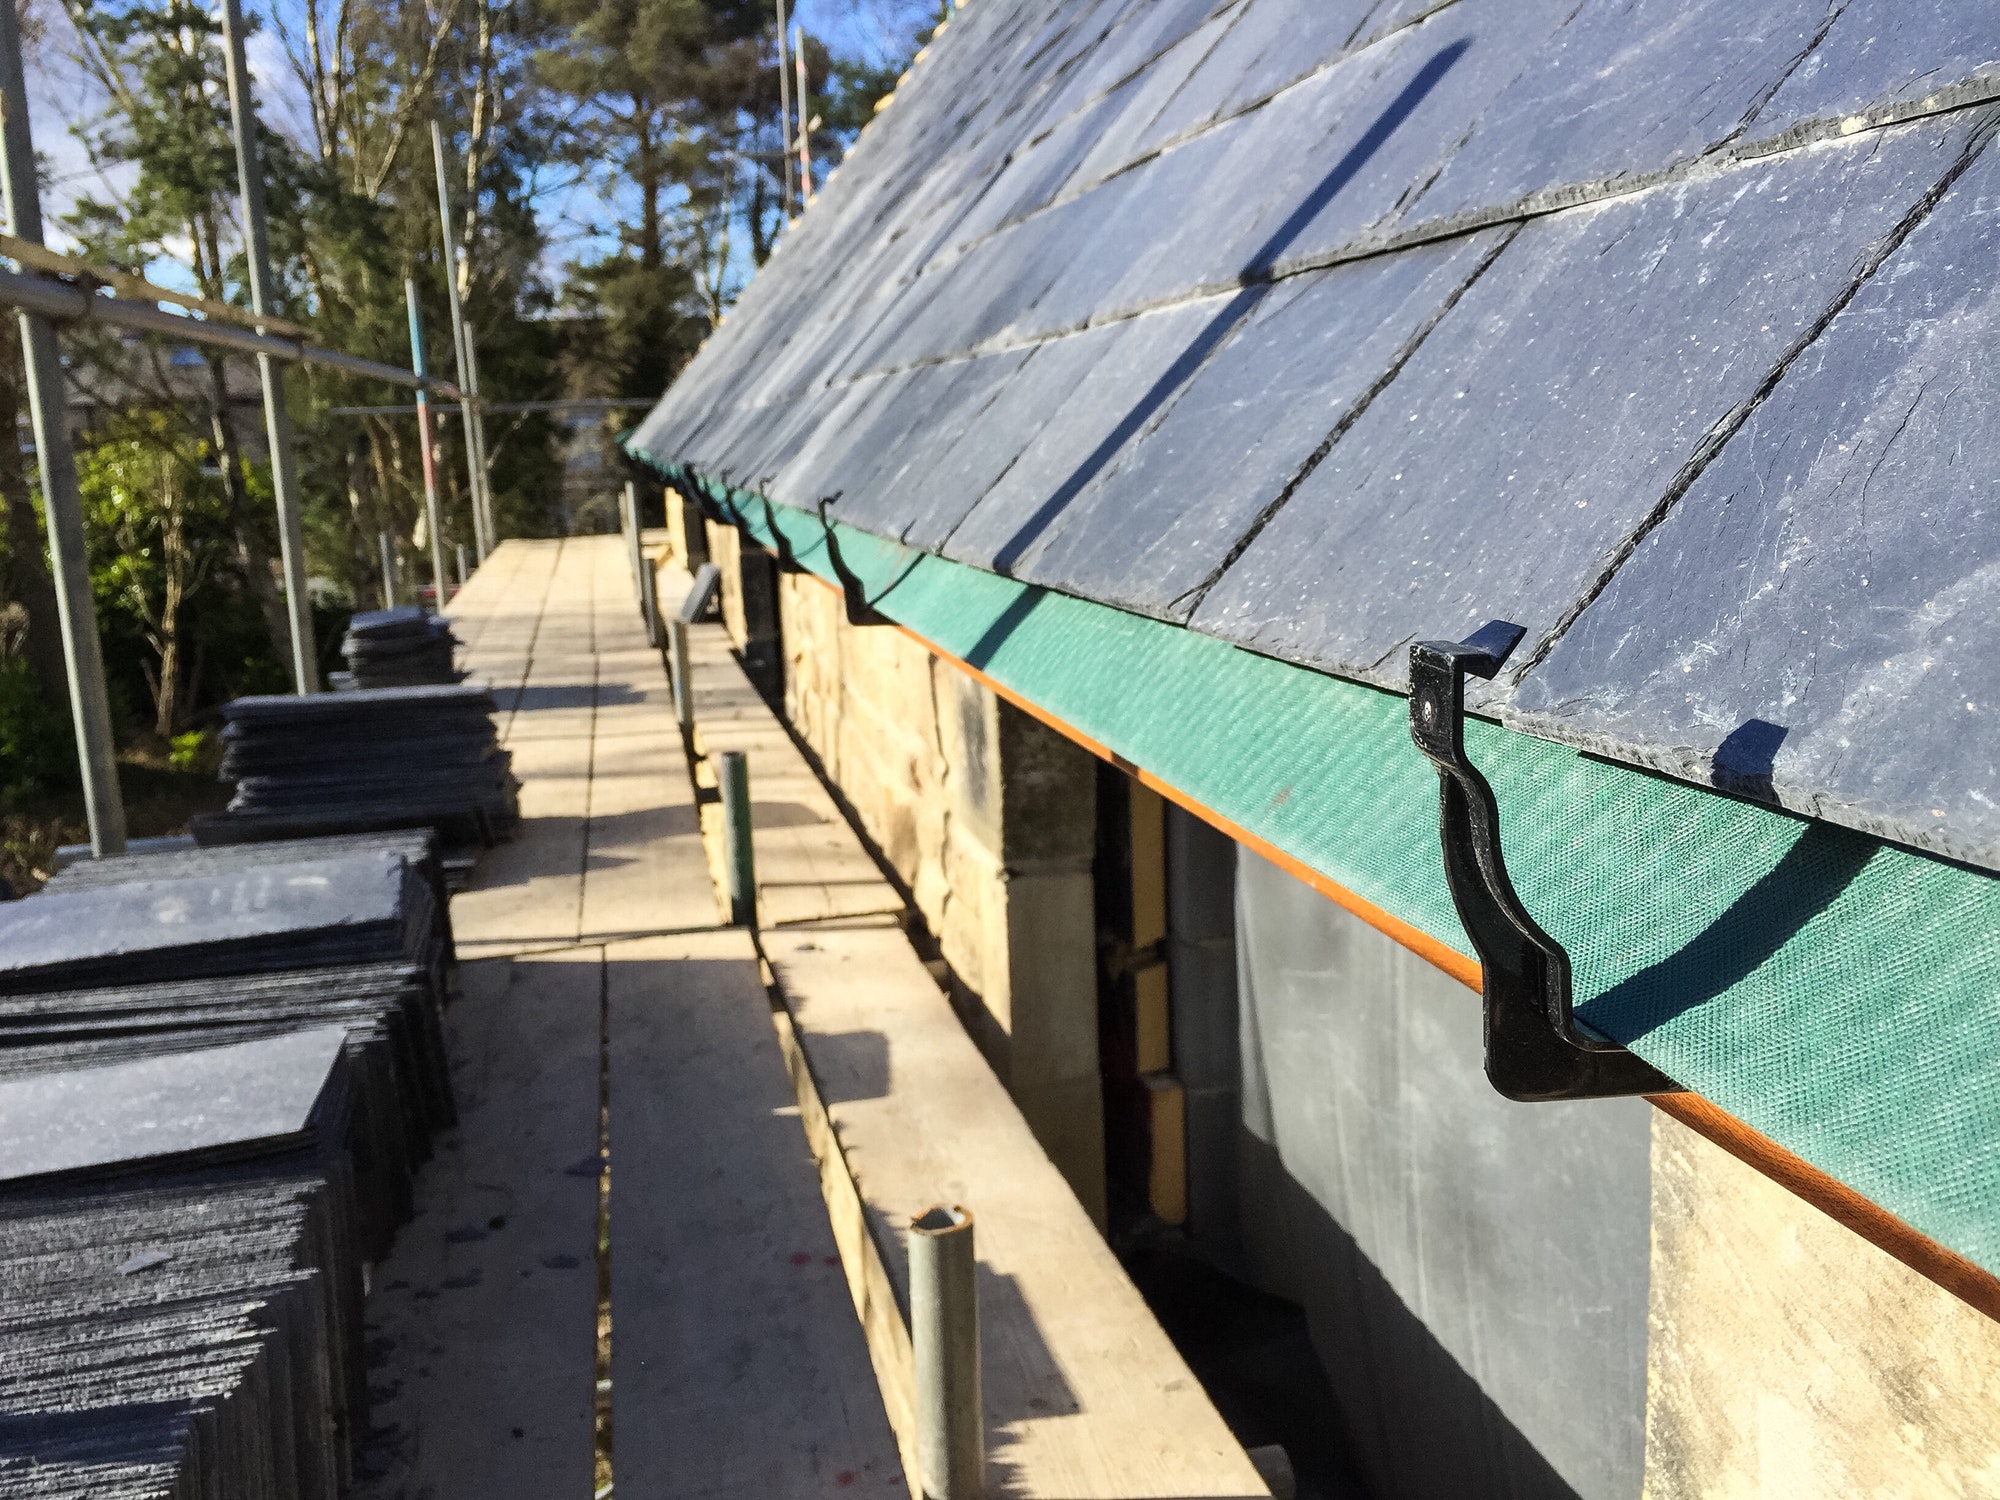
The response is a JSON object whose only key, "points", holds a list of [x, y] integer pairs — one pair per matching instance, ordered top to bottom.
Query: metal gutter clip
{"points": [[859, 610], [1536, 1049]]}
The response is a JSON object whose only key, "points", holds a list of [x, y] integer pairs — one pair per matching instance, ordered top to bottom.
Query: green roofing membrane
{"points": [[1839, 994]]}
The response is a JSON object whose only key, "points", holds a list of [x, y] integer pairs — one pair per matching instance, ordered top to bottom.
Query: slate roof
{"points": [[1322, 326]]}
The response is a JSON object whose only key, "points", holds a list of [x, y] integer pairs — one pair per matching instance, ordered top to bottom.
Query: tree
{"points": [[162, 70], [375, 75], [158, 526], [24, 575]]}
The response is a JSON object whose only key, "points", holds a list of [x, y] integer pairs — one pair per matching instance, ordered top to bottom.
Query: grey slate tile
{"points": [[1251, 29], [1301, 39], [1888, 55], [1623, 89], [1117, 141], [1326, 165], [1039, 168], [1105, 235], [989, 292], [1135, 360], [1046, 383], [843, 411], [766, 438], [1504, 467], [888, 485], [1166, 514], [1812, 621], [250, 917], [182, 1103]]}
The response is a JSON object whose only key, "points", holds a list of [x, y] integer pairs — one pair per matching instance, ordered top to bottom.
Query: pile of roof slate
{"points": [[400, 647], [382, 758], [442, 872], [365, 907], [218, 1073], [192, 1329]]}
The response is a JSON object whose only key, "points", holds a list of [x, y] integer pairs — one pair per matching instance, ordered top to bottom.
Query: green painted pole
{"points": [[944, 1344]]}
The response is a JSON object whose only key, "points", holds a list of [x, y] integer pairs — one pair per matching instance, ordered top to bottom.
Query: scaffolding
{"points": [[54, 291]]}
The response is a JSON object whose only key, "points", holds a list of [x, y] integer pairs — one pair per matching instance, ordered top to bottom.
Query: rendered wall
{"points": [[1790, 1358]]}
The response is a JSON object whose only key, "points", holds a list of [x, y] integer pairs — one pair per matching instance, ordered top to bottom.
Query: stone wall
{"points": [[749, 605], [988, 818], [1790, 1357]]}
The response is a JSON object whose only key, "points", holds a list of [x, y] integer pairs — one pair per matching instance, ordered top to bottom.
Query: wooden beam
{"points": [[41, 258], [1166, 1181], [482, 1325], [737, 1365]]}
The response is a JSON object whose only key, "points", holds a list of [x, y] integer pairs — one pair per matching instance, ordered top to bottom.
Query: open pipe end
{"points": [[941, 1220]]}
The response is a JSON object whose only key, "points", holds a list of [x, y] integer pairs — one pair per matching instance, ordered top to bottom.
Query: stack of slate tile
{"points": [[400, 647], [323, 763], [443, 872], [347, 908], [145, 967], [218, 1072], [180, 1283]]}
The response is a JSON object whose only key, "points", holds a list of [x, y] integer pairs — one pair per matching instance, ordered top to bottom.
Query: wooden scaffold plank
{"points": [[738, 1366]]}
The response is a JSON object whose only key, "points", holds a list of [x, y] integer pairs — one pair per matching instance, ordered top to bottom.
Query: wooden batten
{"points": [[1166, 1182]]}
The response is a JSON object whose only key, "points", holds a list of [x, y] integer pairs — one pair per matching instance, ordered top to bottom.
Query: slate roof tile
{"points": [[1066, 312]]}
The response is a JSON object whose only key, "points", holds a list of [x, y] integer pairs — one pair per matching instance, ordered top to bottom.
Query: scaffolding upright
{"points": [[468, 367], [277, 420], [90, 709]]}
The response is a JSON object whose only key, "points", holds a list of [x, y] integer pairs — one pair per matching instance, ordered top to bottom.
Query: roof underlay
{"points": [[1140, 330]]}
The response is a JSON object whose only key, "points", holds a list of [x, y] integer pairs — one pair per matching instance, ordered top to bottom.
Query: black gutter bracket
{"points": [[692, 493], [780, 543], [852, 590], [1536, 1049]]}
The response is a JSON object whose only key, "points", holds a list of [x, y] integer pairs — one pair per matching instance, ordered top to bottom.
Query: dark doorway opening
{"points": [[1164, 889]]}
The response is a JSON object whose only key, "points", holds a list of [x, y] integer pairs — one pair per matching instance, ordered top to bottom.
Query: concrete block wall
{"points": [[1201, 970]]}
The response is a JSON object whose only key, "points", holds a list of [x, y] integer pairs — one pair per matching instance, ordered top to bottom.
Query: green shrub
{"points": [[37, 749], [186, 752]]}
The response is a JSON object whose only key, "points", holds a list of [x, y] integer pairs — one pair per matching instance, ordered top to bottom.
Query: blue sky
{"points": [[875, 30], [61, 94]]}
